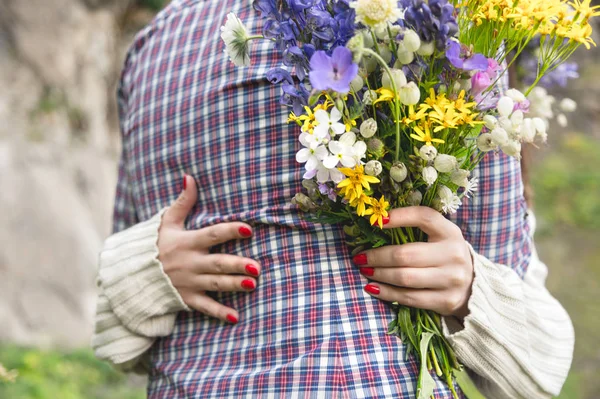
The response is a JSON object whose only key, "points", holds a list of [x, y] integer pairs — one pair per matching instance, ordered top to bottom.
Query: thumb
{"points": [[180, 208]]}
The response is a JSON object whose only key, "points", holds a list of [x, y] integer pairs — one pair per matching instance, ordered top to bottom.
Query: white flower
{"points": [[376, 13], [235, 36], [367, 38], [411, 40], [426, 49], [385, 53], [398, 76], [410, 94], [515, 95], [369, 96], [540, 103], [567, 105], [505, 106], [490, 121], [562, 121], [327, 122], [506, 124], [541, 127], [368, 128], [528, 131], [499, 136], [485, 142], [512, 149], [346, 151], [427, 152], [312, 154], [445, 163], [373, 168], [398, 172], [327, 174], [430, 175], [460, 177], [471, 187], [414, 198], [449, 202]]}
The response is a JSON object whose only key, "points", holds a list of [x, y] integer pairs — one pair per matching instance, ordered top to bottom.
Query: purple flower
{"points": [[434, 21], [294, 56], [461, 58], [335, 72], [278, 75], [479, 82], [294, 97], [326, 190]]}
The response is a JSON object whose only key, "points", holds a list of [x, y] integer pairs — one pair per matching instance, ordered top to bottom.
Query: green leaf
{"points": [[426, 383], [466, 384]]}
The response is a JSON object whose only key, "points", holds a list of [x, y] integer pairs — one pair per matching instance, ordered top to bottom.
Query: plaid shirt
{"points": [[309, 330]]}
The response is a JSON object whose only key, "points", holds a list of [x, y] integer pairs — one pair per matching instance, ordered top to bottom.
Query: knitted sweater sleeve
{"points": [[137, 302], [517, 341]]}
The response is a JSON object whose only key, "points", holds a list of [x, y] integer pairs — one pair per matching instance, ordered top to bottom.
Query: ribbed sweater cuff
{"points": [[139, 292]]}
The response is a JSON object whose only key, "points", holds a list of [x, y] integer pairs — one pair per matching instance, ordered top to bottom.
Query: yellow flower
{"points": [[583, 8], [376, 13], [384, 95], [414, 117], [350, 123], [424, 135], [352, 186], [360, 204], [378, 211]]}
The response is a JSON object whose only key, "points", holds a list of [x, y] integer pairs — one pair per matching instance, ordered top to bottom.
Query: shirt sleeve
{"points": [[517, 341]]}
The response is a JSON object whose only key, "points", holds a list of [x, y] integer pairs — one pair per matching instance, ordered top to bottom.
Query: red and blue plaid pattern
{"points": [[309, 330]]}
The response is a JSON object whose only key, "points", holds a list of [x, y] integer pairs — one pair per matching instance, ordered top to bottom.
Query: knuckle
{"points": [[213, 236], [400, 256], [219, 265], [405, 279], [215, 285], [409, 299], [450, 304]]}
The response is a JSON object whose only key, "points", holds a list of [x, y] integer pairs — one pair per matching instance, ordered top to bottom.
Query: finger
{"points": [[179, 209], [433, 223], [220, 233], [414, 254], [226, 264], [409, 277], [222, 283], [443, 302], [208, 306]]}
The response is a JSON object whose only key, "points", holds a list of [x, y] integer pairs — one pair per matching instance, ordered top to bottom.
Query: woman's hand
{"points": [[193, 270], [435, 275]]}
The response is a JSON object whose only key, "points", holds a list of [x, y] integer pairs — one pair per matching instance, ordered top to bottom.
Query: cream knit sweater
{"points": [[517, 341]]}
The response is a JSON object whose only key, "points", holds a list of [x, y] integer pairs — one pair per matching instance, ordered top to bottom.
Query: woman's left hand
{"points": [[435, 275]]}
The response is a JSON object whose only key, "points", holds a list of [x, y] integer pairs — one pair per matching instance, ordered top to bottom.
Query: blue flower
{"points": [[433, 21], [460, 57], [332, 73], [278, 75], [294, 97]]}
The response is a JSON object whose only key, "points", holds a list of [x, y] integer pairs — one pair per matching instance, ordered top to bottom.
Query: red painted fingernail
{"points": [[184, 182], [385, 219], [245, 232], [360, 259], [251, 269], [367, 271], [248, 285], [372, 289], [232, 319]]}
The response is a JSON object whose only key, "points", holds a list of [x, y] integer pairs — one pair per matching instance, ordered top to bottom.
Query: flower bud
{"points": [[367, 38], [411, 40], [357, 45], [426, 49], [385, 53], [405, 57], [370, 63], [398, 76], [357, 83], [410, 94], [369, 96], [339, 104], [568, 105], [505, 106], [517, 118], [561, 119], [490, 122], [506, 124], [540, 125], [368, 128], [528, 130], [499, 136], [486, 143], [375, 146], [427, 152], [445, 163], [373, 168], [398, 172], [430, 175], [460, 177], [311, 186], [444, 192], [414, 198], [304, 203], [352, 231]]}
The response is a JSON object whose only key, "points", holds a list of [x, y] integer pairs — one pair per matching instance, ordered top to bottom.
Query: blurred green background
{"points": [[565, 176]]}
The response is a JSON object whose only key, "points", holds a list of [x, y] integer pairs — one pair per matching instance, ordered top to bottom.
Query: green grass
{"points": [[56, 375]]}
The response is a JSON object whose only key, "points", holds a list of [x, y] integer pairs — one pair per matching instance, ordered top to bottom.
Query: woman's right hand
{"points": [[192, 269]]}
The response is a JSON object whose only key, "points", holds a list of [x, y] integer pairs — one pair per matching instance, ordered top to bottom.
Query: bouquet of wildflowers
{"points": [[396, 103]]}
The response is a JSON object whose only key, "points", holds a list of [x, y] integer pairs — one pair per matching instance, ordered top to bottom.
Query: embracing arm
{"points": [[517, 339]]}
